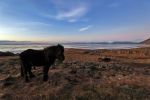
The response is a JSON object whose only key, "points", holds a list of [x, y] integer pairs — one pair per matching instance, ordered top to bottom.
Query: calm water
{"points": [[20, 48]]}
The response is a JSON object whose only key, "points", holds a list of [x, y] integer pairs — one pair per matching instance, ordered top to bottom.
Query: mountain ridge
{"points": [[30, 42]]}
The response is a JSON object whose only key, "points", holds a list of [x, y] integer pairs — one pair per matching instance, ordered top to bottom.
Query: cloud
{"points": [[114, 4], [69, 11], [73, 14], [72, 20], [30, 24], [24, 27], [85, 28], [11, 29]]}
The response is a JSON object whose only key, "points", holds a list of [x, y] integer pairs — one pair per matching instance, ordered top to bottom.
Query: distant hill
{"points": [[146, 41], [14, 42], [21, 43]]}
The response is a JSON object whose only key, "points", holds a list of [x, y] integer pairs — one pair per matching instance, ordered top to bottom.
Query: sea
{"points": [[17, 48]]}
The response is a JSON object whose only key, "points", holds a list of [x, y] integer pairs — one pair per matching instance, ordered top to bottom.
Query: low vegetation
{"points": [[81, 77]]}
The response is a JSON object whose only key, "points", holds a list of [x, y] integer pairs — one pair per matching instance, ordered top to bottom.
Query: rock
{"points": [[86, 52], [7, 54], [106, 59], [73, 71], [146, 72], [17, 75], [72, 80], [8, 81], [125, 86], [1, 95], [6, 96]]}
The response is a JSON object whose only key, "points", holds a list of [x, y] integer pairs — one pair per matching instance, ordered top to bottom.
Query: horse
{"points": [[45, 57]]}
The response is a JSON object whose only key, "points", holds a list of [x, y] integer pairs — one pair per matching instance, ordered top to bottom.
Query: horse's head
{"points": [[55, 52], [60, 53]]}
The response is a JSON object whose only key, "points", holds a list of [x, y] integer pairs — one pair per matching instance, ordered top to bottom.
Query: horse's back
{"points": [[32, 56]]}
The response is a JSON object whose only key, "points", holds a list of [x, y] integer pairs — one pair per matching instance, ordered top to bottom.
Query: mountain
{"points": [[146, 41], [14, 42]]}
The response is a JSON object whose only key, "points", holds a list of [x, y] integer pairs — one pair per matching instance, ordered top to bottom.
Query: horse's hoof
{"points": [[22, 75], [32, 76], [45, 79], [27, 80]]}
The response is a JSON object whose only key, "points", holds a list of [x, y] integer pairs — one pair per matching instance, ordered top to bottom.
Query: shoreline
{"points": [[114, 49]]}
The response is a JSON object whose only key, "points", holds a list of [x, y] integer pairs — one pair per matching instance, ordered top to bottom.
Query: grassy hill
{"points": [[146, 41]]}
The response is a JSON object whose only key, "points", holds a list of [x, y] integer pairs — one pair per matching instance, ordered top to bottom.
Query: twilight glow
{"points": [[74, 20]]}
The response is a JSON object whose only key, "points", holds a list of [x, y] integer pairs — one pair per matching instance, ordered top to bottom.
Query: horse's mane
{"points": [[49, 47], [52, 47]]}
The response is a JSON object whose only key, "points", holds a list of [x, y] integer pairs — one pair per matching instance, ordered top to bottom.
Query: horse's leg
{"points": [[34, 68], [21, 69], [25, 70], [26, 73], [45, 73], [31, 75]]}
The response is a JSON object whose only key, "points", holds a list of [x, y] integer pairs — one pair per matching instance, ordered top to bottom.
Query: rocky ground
{"points": [[84, 75]]}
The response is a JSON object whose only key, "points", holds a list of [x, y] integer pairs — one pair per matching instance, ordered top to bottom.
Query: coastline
{"points": [[19, 48], [126, 75]]}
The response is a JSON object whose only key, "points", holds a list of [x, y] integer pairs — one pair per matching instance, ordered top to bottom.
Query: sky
{"points": [[74, 20]]}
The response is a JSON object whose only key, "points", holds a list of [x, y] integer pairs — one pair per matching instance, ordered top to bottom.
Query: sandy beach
{"points": [[84, 75]]}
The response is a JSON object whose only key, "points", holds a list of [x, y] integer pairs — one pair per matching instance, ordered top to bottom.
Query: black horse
{"points": [[45, 58]]}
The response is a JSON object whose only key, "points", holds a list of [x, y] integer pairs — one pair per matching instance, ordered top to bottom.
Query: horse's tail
{"points": [[22, 72]]}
